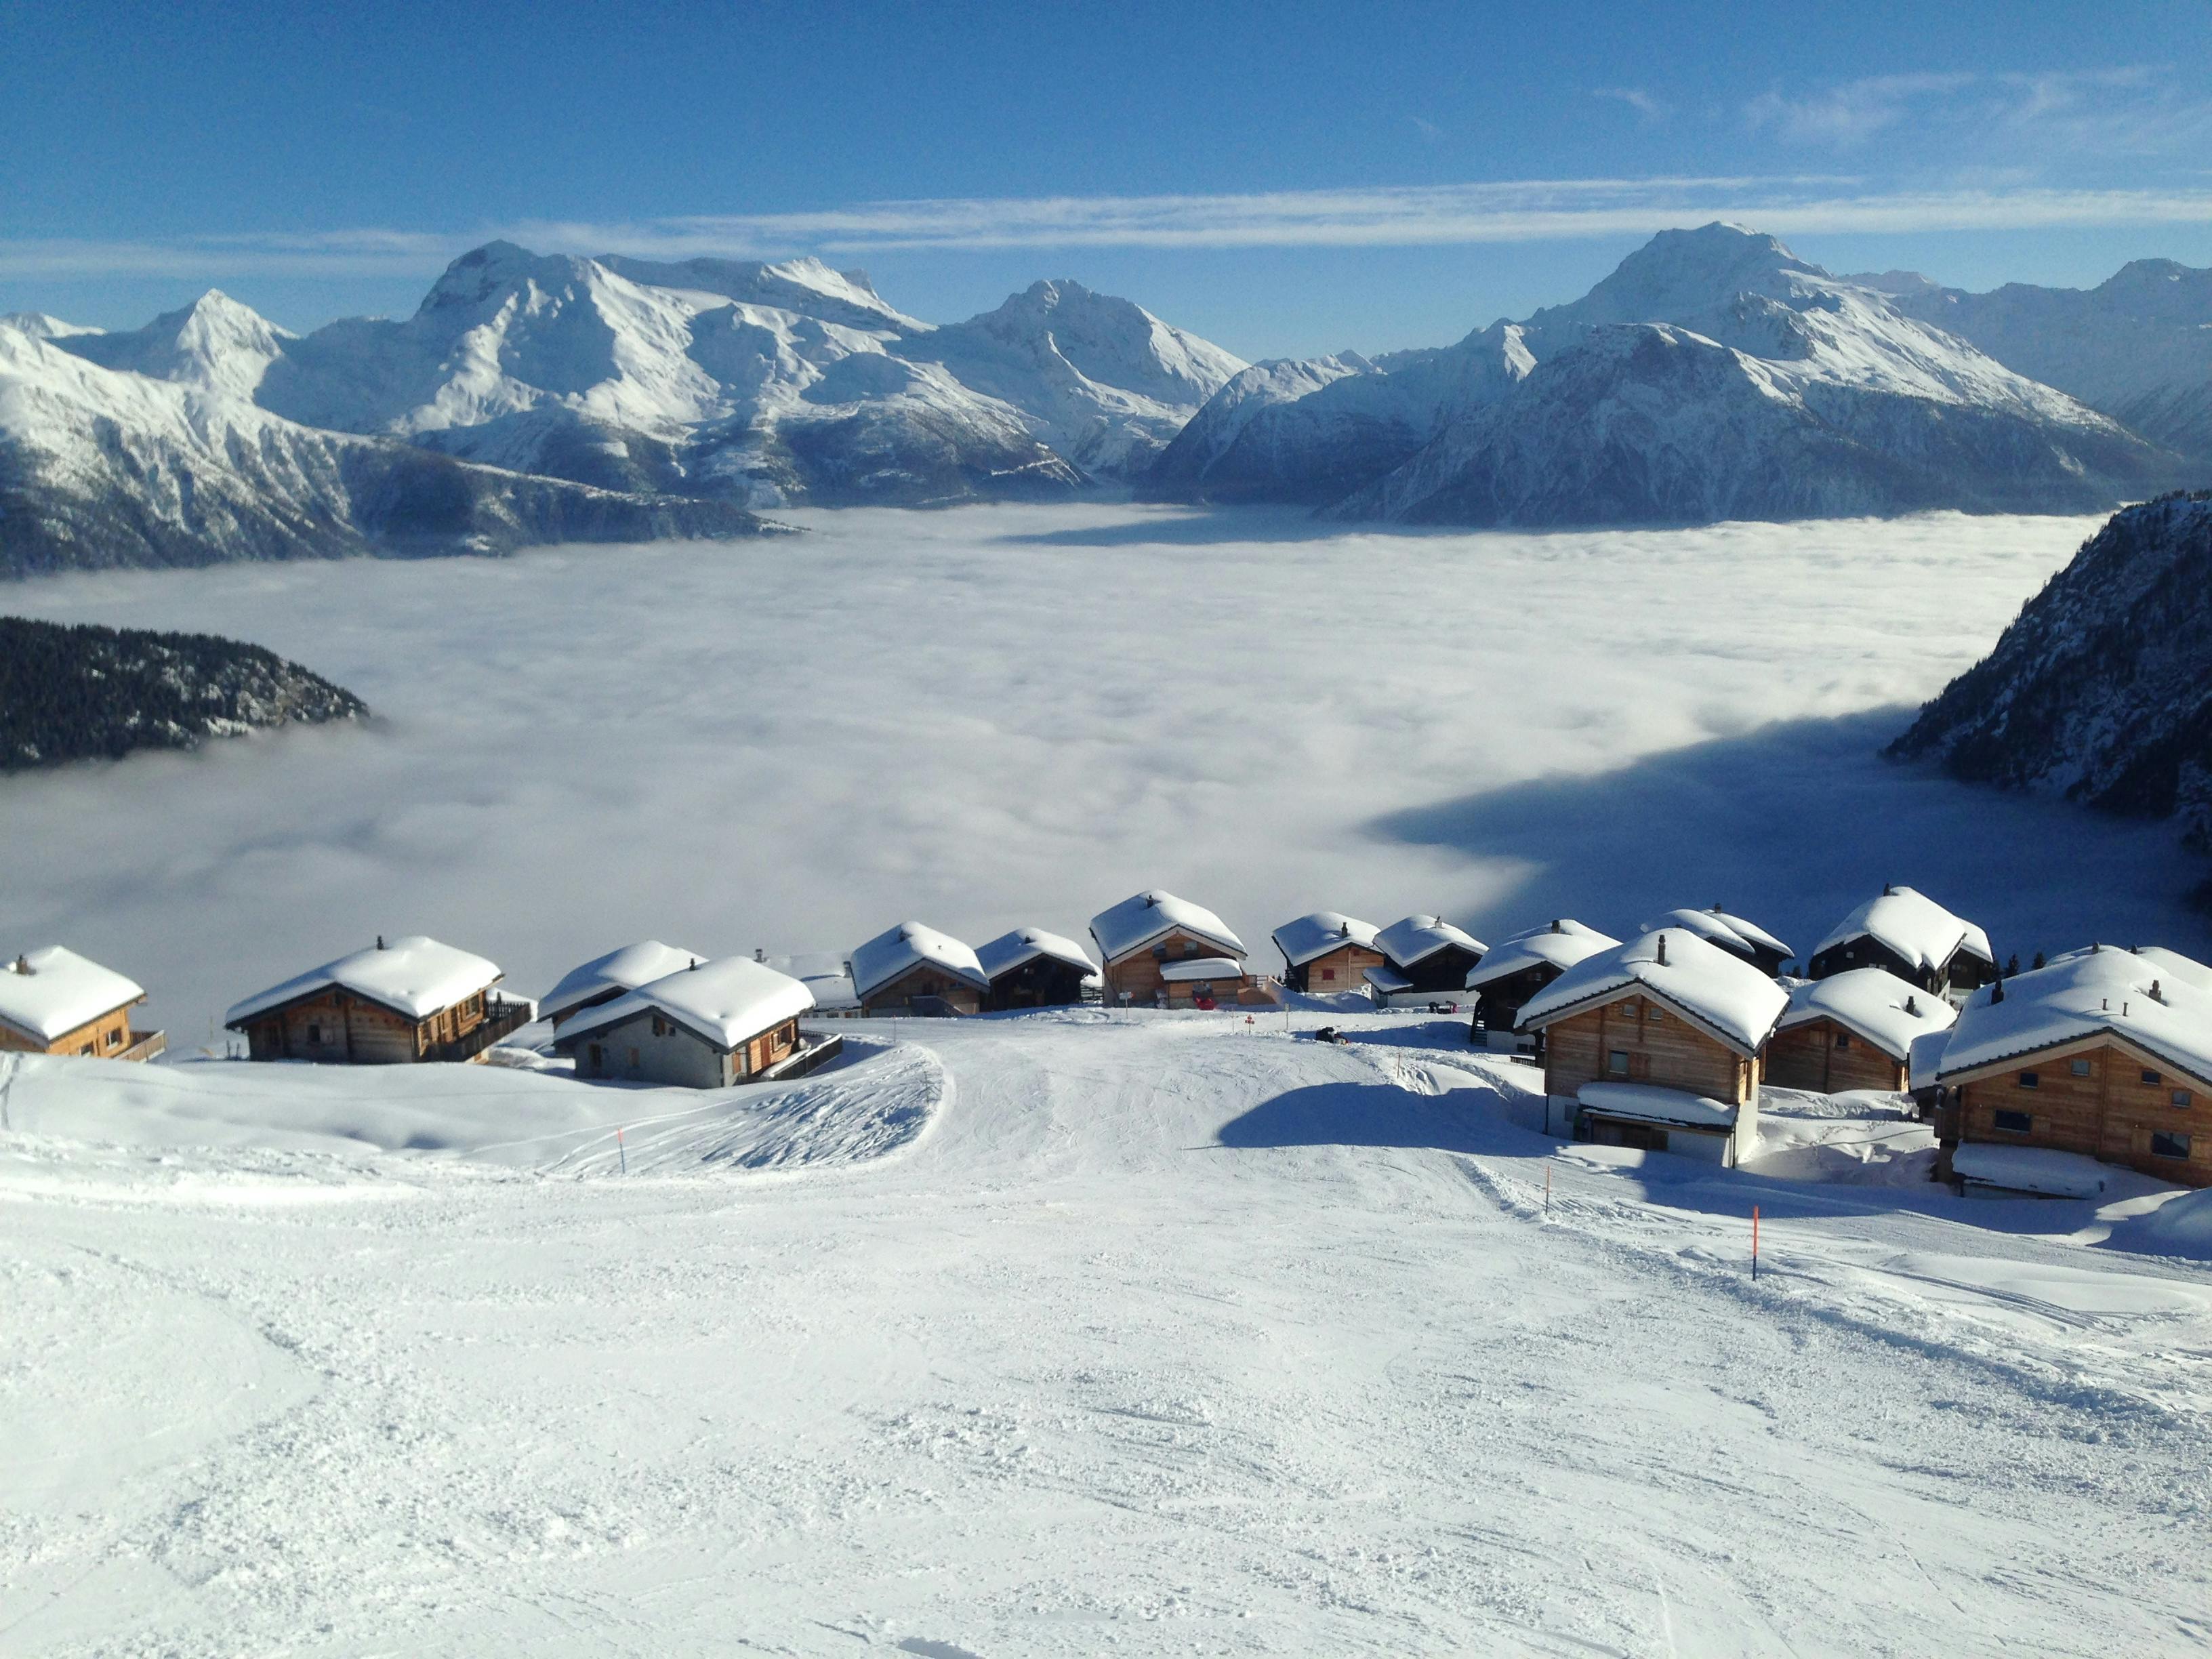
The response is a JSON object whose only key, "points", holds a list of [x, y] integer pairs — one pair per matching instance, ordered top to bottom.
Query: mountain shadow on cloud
{"points": [[1793, 824]]}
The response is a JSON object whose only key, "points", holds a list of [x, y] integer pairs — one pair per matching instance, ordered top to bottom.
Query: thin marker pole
{"points": [[622, 1152], [1547, 1187], [1754, 1243]]}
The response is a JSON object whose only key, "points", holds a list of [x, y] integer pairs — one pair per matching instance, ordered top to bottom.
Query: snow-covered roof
{"points": [[1139, 919], [1922, 932], [1730, 933], [1313, 936], [1410, 938], [910, 943], [1560, 943], [1010, 951], [1201, 968], [618, 970], [822, 972], [413, 976], [1388, 980], [1713, 987], [49, 993], [2084, 994], [726, 1001], [1872, 1003], [1926, 1058], [1653, 1104], [2030, 1169]]}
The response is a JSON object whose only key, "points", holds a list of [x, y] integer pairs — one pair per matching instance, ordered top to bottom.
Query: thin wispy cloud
{"points": [[1650, 108], [1967, 115], [1506, 212]]}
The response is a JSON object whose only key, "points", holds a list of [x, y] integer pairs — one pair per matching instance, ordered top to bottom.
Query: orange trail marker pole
{"points": [[623, 1152], [1547, 1188], [1754, 1242]]}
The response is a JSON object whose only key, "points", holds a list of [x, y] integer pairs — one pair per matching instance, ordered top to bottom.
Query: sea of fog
{"points": [[996, 716]]}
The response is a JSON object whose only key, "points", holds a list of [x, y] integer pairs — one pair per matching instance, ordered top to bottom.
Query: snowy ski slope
{"points": [[1144, 1334]]}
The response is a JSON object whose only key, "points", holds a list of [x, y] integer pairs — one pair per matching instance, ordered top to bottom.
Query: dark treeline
{"points": [[85, 692]]}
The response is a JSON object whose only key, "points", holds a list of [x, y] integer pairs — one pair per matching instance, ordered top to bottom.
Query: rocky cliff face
{"points": [[2102, 690], [86, 692]]}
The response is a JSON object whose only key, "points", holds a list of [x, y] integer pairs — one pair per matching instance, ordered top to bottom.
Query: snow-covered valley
{"points": [[1066, 1333]]}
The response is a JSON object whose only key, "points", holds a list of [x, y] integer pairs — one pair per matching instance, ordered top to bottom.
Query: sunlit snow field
{"points": [[998, 716]]}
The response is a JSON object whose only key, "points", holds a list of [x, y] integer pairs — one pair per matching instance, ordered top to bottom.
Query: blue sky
{"points": [[1284, 179]]}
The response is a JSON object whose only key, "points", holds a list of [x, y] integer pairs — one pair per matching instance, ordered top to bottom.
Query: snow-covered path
{"points": [[1163, 1336]]}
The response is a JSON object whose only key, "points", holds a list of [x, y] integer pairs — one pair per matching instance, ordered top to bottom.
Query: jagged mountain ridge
{"points": [[2138, 346], [1713, 375], [723, 380], [104, 468], [2101, 691], [82, 692]]}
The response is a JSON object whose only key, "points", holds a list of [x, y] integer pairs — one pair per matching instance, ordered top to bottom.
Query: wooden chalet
{"points": [[1914, 938], [1747, 939], [1160, 951], [1328, 951], [1429, 955], [1029, 968], [915, 970], [1513, 973], [614, 974], [53, 1001], [410, 1002], [710, 1025], [1853, 1030], [1656, 1044], [2101, 1054]]}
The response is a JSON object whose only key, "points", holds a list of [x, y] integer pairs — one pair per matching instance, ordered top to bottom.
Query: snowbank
{"points": [[2030, 1169]]}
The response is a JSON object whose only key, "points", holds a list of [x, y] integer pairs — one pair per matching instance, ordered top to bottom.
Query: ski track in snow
{"points": [[1148, 1334]]}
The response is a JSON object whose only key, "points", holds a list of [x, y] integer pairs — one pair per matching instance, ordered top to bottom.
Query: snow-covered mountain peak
{"points": [[497, 268], [1684, 273], [805, 287], [41, 325], [215, 343]]}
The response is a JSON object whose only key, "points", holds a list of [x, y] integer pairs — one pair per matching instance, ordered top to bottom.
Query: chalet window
{"points": [[1190, 947], [1329, 973], [1654, 1013], [660, 1026], [314, 1032], [1843, 1039], [85, 1050], [594, 1056], [632, 1057], [1617, 1062], [2081, 1067], [2151, 1076], [2030, 1080], [2181, 1098], [2015, 1123], [2166, 1144]]}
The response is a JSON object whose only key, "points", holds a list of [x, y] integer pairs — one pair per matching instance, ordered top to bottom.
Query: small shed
{"points": [[1141, 936], [1913, 937], [1761, 949], [1328, 951], [1429, 954], [1029, 968], [913, 969], [1508, 976], [604, 978], [53, 1001], [410, 1002], [711, 1025], [1853, 1030], [1657, 1043], [2103, 1053]]}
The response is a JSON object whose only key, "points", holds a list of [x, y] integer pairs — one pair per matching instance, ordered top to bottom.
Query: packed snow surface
{"points": [[1143, 917], [1920, 930], [1320, 933], [910, 945], [624, 969], [416, 976], [1717, 988], [52, 991], [2082, 993], [726, 1001], [1873, 1003], [1065, 1334]]}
